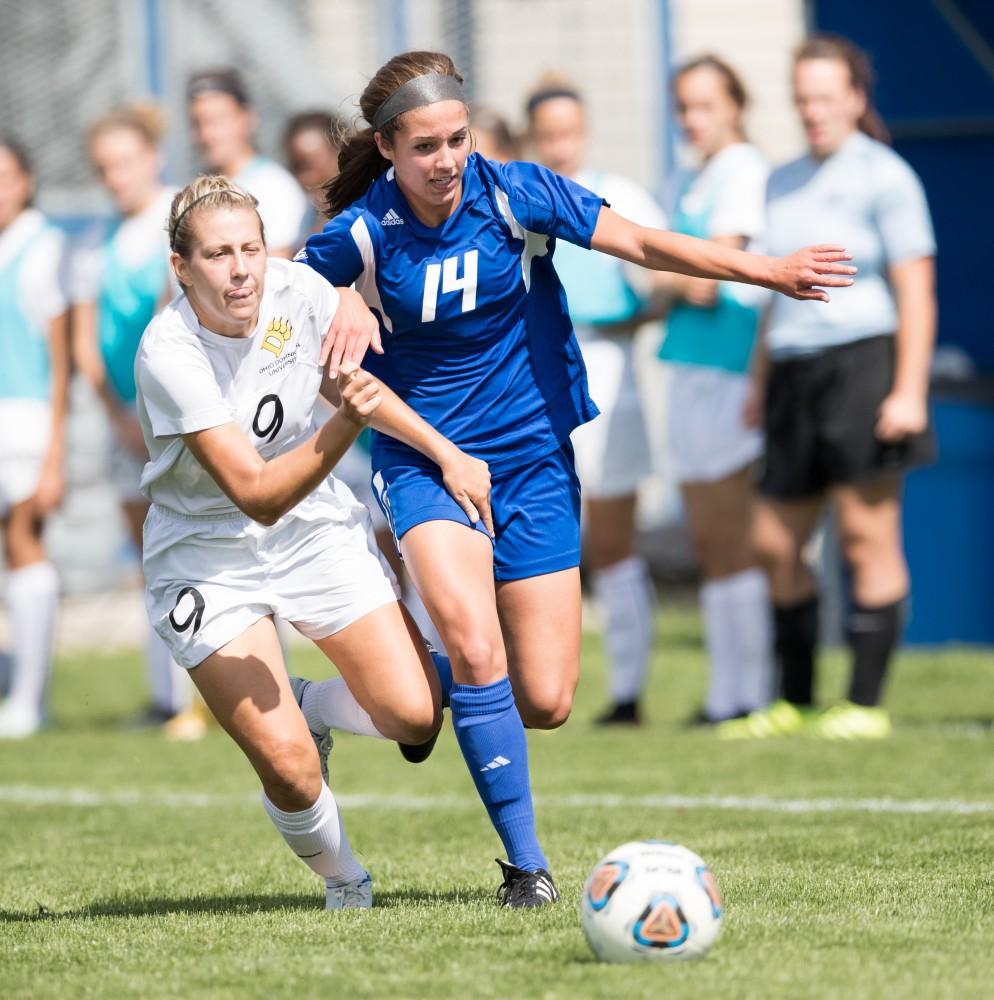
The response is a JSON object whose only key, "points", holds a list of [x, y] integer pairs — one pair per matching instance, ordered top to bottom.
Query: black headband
{"points": [[220, 83], [422, 90], [549, 94], [204, 197]]}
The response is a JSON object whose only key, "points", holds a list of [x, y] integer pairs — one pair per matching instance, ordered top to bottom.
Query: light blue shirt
{"points": [[724, 198], [866, 198], [32, 293]]}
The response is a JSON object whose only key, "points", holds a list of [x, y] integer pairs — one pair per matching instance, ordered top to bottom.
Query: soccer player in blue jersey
{"points": [[454, 253]]}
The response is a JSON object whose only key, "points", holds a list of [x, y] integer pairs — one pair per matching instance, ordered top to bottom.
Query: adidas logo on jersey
{"points": [[391, 219], [495, 763]]}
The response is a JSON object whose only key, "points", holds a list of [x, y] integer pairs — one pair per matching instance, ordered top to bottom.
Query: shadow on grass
{"points": [[264, 903]]}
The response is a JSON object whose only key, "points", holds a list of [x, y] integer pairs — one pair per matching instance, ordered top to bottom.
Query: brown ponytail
{"points": [[861, 75], [359, 160]]}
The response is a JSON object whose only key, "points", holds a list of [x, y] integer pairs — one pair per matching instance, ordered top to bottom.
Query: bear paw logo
{"points": [[278, 333]]}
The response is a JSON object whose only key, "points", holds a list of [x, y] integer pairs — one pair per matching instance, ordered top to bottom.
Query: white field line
{"points": [[34, 795]]}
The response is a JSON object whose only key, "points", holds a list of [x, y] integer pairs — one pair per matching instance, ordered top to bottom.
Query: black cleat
{"points": [[624, 713], [418, 753], [523, 888]]}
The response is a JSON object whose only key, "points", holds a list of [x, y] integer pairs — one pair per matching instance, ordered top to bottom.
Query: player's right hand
{"points": [[807, 272], [360, 393], [468, 481]]}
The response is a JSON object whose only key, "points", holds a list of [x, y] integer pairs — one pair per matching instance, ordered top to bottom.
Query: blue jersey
{"points": [[476, 332]]}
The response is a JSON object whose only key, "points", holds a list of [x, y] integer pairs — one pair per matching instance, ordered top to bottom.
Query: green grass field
{"points": [[130, 866]]}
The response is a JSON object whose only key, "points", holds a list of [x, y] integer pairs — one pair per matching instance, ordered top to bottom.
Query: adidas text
{"points": [[391, 219]]}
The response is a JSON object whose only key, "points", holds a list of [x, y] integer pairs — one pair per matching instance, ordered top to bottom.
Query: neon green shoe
{"points": [[781, 718], [847, 721]]}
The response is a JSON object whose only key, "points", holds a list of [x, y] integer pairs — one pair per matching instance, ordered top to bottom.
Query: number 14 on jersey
{"points": [[446, 274]]}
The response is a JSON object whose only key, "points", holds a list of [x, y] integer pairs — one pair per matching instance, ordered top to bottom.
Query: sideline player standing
{"points": [[224, 123], [454, 253], [120, 278], [607, 304], [710, 335], [34, 385], [845, 391], [246, 523]]}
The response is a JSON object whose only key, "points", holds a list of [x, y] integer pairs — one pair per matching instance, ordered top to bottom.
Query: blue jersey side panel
{"points": [[476, 333]]}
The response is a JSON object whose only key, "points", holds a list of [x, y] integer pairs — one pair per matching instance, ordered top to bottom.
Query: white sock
{"points": [[626, 597], [33, 599], [750, 619], [738, 630], [723, 655], [170, 684], [331, 705], [318, 838]]}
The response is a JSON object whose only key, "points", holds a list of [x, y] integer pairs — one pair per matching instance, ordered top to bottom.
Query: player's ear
{"points": [[383, 146], [180, 268]]}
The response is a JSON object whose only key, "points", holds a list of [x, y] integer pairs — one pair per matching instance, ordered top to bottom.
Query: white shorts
{"points": [[707, 437], [24, 443], [612, 451], [208, 580]]}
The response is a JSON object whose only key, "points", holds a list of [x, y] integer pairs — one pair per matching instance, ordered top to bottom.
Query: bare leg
{"points": [[541, 619], [246, 687]]}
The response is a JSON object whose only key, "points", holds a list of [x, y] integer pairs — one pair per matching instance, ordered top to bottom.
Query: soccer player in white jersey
{"points": [[224, 123], [455, 255], [120, 278], [609, 299], [710, 333], [34, 381], [845, 391], [246, 524]]}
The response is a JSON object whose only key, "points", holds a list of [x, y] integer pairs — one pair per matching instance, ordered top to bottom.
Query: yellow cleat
{"points": [[781, 718], [847, 721], [187, 726]]}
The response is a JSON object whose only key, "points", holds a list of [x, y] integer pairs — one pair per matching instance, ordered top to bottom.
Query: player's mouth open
{"points": [[443, 184]]}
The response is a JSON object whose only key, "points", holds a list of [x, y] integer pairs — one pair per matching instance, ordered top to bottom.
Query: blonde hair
{"points": [[144, 118], [206, 192]]}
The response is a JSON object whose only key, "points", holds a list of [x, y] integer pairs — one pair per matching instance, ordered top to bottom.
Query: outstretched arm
{"points": [[802, 275]]}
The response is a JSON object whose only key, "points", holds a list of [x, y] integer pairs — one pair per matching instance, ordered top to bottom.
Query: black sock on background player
{"points": [[796, 627], [872, 634]]}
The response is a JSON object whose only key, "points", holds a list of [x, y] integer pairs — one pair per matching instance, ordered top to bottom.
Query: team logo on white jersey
{"points": [[391, 219], [278, 333]]}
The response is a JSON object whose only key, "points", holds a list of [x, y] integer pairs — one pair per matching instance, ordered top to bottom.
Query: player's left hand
{"points": [[801, 274], [353, 330], [360, 393], [900, 416], [468, 481], [51, 488]]}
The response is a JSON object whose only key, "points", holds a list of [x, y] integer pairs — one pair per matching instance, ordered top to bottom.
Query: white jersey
{"points": [[283, 206], [190, 379]]}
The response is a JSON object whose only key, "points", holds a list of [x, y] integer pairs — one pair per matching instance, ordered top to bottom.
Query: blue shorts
{"points": [[536, 511]]}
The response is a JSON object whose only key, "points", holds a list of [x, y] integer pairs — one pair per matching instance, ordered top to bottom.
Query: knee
{"points": [[478, 658], [547, 711], [416, 721], [291, 775]]}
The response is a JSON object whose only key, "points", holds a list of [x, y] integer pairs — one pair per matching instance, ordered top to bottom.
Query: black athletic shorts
{"points": [[821, 410]]}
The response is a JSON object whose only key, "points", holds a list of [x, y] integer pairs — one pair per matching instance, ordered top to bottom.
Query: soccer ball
{"points": [[650, 900]]}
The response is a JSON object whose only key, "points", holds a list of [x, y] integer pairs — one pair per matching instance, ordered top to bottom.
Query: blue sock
{"points": [[444, 669], [492, 740]]}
